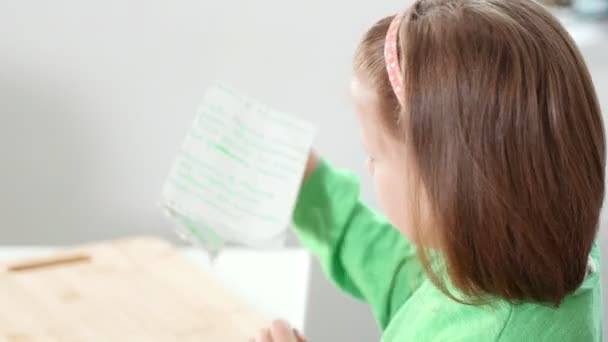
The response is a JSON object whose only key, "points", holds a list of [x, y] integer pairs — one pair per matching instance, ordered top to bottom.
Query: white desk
{"points": [[274, 282]]}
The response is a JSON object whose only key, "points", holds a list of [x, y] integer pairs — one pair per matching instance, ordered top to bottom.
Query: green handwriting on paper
{"points": [[227, 152], [240, 165]]}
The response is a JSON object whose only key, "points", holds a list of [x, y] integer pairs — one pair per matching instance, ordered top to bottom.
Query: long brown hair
{"points": [[505, 133]]}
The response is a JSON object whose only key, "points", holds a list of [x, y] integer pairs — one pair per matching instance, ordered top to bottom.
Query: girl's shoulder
{"points": [[429, 315]]}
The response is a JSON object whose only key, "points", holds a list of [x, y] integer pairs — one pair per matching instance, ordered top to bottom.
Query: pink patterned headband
{"points": [[391, 57]]}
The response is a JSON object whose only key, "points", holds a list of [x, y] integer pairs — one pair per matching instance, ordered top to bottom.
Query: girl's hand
{"points": [[311, 164], [279, 331]]}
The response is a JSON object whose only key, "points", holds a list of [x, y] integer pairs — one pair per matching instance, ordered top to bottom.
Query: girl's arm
{"points": [[357, 248]]}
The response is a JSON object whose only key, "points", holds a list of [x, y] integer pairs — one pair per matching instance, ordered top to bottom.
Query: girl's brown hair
{"points": [[505, 132]]}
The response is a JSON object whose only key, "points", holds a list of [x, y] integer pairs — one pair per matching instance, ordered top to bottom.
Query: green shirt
{"points": [[365, 256]]}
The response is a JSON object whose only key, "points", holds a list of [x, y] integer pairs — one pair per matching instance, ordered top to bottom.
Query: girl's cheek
{"points": [[391, 192]]}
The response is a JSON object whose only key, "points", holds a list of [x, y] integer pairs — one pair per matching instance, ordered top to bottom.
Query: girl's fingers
{"points": [[281, 331], [264, 336], [299, 337]]}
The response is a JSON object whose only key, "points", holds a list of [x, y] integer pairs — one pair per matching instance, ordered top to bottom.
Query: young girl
{"points": [[487, 150]]}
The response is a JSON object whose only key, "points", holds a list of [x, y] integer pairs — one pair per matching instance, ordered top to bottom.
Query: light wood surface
{"points": [[129, 290]]}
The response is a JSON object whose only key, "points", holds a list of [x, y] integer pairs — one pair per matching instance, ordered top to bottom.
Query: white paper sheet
{"points": [[238, 173]]}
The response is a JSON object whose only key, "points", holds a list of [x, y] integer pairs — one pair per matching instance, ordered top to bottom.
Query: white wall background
{"points": [[95, 97]]}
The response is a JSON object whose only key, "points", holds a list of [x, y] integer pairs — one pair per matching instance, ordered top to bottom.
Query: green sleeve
{"points": [[358, 249]]}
